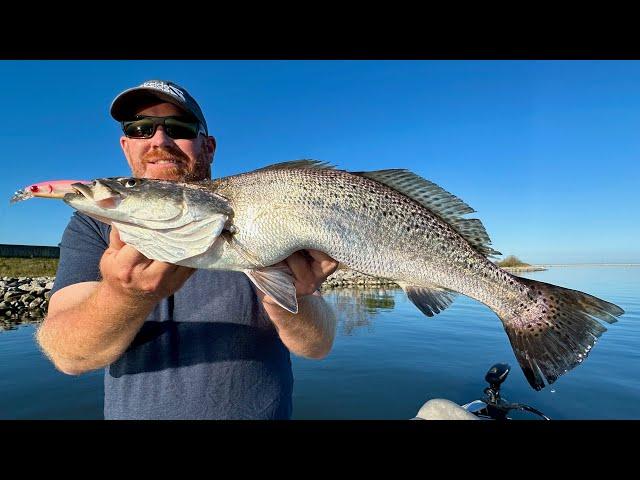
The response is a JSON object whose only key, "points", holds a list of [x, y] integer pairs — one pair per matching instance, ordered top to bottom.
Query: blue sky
{"points": [[545, 151]]}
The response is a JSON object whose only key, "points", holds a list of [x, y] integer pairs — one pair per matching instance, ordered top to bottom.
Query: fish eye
{"points": [[131, 182]]}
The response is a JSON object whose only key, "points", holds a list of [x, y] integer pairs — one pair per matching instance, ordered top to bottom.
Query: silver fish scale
{"points": [[363, 224]]}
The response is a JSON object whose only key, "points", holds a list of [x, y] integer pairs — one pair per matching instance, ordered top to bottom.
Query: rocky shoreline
{"points": [[528, 268], [344, 278], [23, 300]]}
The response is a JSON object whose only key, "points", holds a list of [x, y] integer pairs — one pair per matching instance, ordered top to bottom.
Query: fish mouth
{"points": [[82, 189], [99, 193]]}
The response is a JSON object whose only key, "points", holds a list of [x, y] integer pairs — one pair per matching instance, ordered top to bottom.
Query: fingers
{"points": [[114, 239], [319, 255], [127, 256], [121, 257], [323, 264], [126, 268], [162, 268], [310, 268], [167, 278], [304, 279]]}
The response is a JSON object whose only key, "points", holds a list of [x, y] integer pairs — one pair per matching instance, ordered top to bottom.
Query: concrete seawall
{"points": [[29, 251]]}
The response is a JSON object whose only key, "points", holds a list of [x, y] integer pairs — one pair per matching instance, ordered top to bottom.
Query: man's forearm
{"points": [[95, 332], [310, 332]]}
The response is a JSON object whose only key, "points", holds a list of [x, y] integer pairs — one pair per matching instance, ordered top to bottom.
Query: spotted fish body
{"points": [[388, 223], [364, 224]]}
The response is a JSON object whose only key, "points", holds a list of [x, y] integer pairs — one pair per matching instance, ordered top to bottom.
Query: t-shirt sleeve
{"points": [[83, 242]]}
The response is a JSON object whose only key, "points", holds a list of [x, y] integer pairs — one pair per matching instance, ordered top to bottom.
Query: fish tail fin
{"points": [[554, 329]]}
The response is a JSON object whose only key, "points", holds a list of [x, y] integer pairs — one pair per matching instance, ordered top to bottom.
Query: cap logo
{"points": [[170, 89]]}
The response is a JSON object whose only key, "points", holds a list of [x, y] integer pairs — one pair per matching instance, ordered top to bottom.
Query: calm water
{"points": [[387, 363]]}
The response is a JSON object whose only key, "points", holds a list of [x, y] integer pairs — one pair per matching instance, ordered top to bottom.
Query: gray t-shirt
{"points": [[206, 352]]}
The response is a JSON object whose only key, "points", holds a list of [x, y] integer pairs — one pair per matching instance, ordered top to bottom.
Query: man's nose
{"points": [[160, 138]]}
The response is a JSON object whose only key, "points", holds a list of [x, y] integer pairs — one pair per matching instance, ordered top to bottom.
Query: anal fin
{"points": [[430, 299]]}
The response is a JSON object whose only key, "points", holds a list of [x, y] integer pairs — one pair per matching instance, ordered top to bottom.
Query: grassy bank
{"points": [[512, 261], [28, 267]]}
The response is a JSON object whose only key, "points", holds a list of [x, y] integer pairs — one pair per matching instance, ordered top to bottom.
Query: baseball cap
{"points": [[122, 107]]}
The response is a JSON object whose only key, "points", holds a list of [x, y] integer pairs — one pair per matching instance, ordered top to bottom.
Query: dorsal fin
{"points": [[303, 163], [437, 200], [474, 232]]}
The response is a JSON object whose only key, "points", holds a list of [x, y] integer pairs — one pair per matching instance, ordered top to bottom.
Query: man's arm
{"points": [[90, 324], [310, 332]]}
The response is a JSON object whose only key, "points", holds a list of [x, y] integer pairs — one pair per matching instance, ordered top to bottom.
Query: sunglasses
{"points": [[145, 126]]}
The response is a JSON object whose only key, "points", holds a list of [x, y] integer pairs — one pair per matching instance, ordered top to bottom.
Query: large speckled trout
{"points": [[388, 223]]}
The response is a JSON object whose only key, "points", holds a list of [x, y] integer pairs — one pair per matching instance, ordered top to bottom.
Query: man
{"points": [[176, 342]]}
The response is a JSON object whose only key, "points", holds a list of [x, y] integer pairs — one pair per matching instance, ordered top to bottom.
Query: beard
{"points": [[181, 168]]}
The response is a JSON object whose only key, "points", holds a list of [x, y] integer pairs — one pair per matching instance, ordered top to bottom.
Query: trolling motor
{"points": [[492, 405], [496, 406]]}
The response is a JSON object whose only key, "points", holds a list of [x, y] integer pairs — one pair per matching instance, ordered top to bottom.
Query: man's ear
{"points": [[124, 144], [211, 146]]}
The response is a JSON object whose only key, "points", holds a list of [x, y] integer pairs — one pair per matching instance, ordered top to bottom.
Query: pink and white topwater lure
{"points": [[48, 189]]}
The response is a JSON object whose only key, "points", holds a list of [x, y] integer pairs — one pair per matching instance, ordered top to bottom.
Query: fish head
{"points": [[148, 203]]}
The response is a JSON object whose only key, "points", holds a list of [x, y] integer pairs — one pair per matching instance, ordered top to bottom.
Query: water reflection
{"points": [[357, 307], [12, 323]]}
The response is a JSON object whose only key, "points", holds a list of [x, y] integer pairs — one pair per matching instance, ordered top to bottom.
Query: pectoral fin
{"points": [[243, 251], [277, 282], [430, 299]]}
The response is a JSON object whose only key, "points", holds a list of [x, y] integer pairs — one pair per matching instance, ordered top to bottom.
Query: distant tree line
{"points": [[512, 261]]}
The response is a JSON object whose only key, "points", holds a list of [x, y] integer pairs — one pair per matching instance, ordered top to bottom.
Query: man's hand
{"points": [[309, 268], [129, 272], [90, 324], [310, 333]]}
